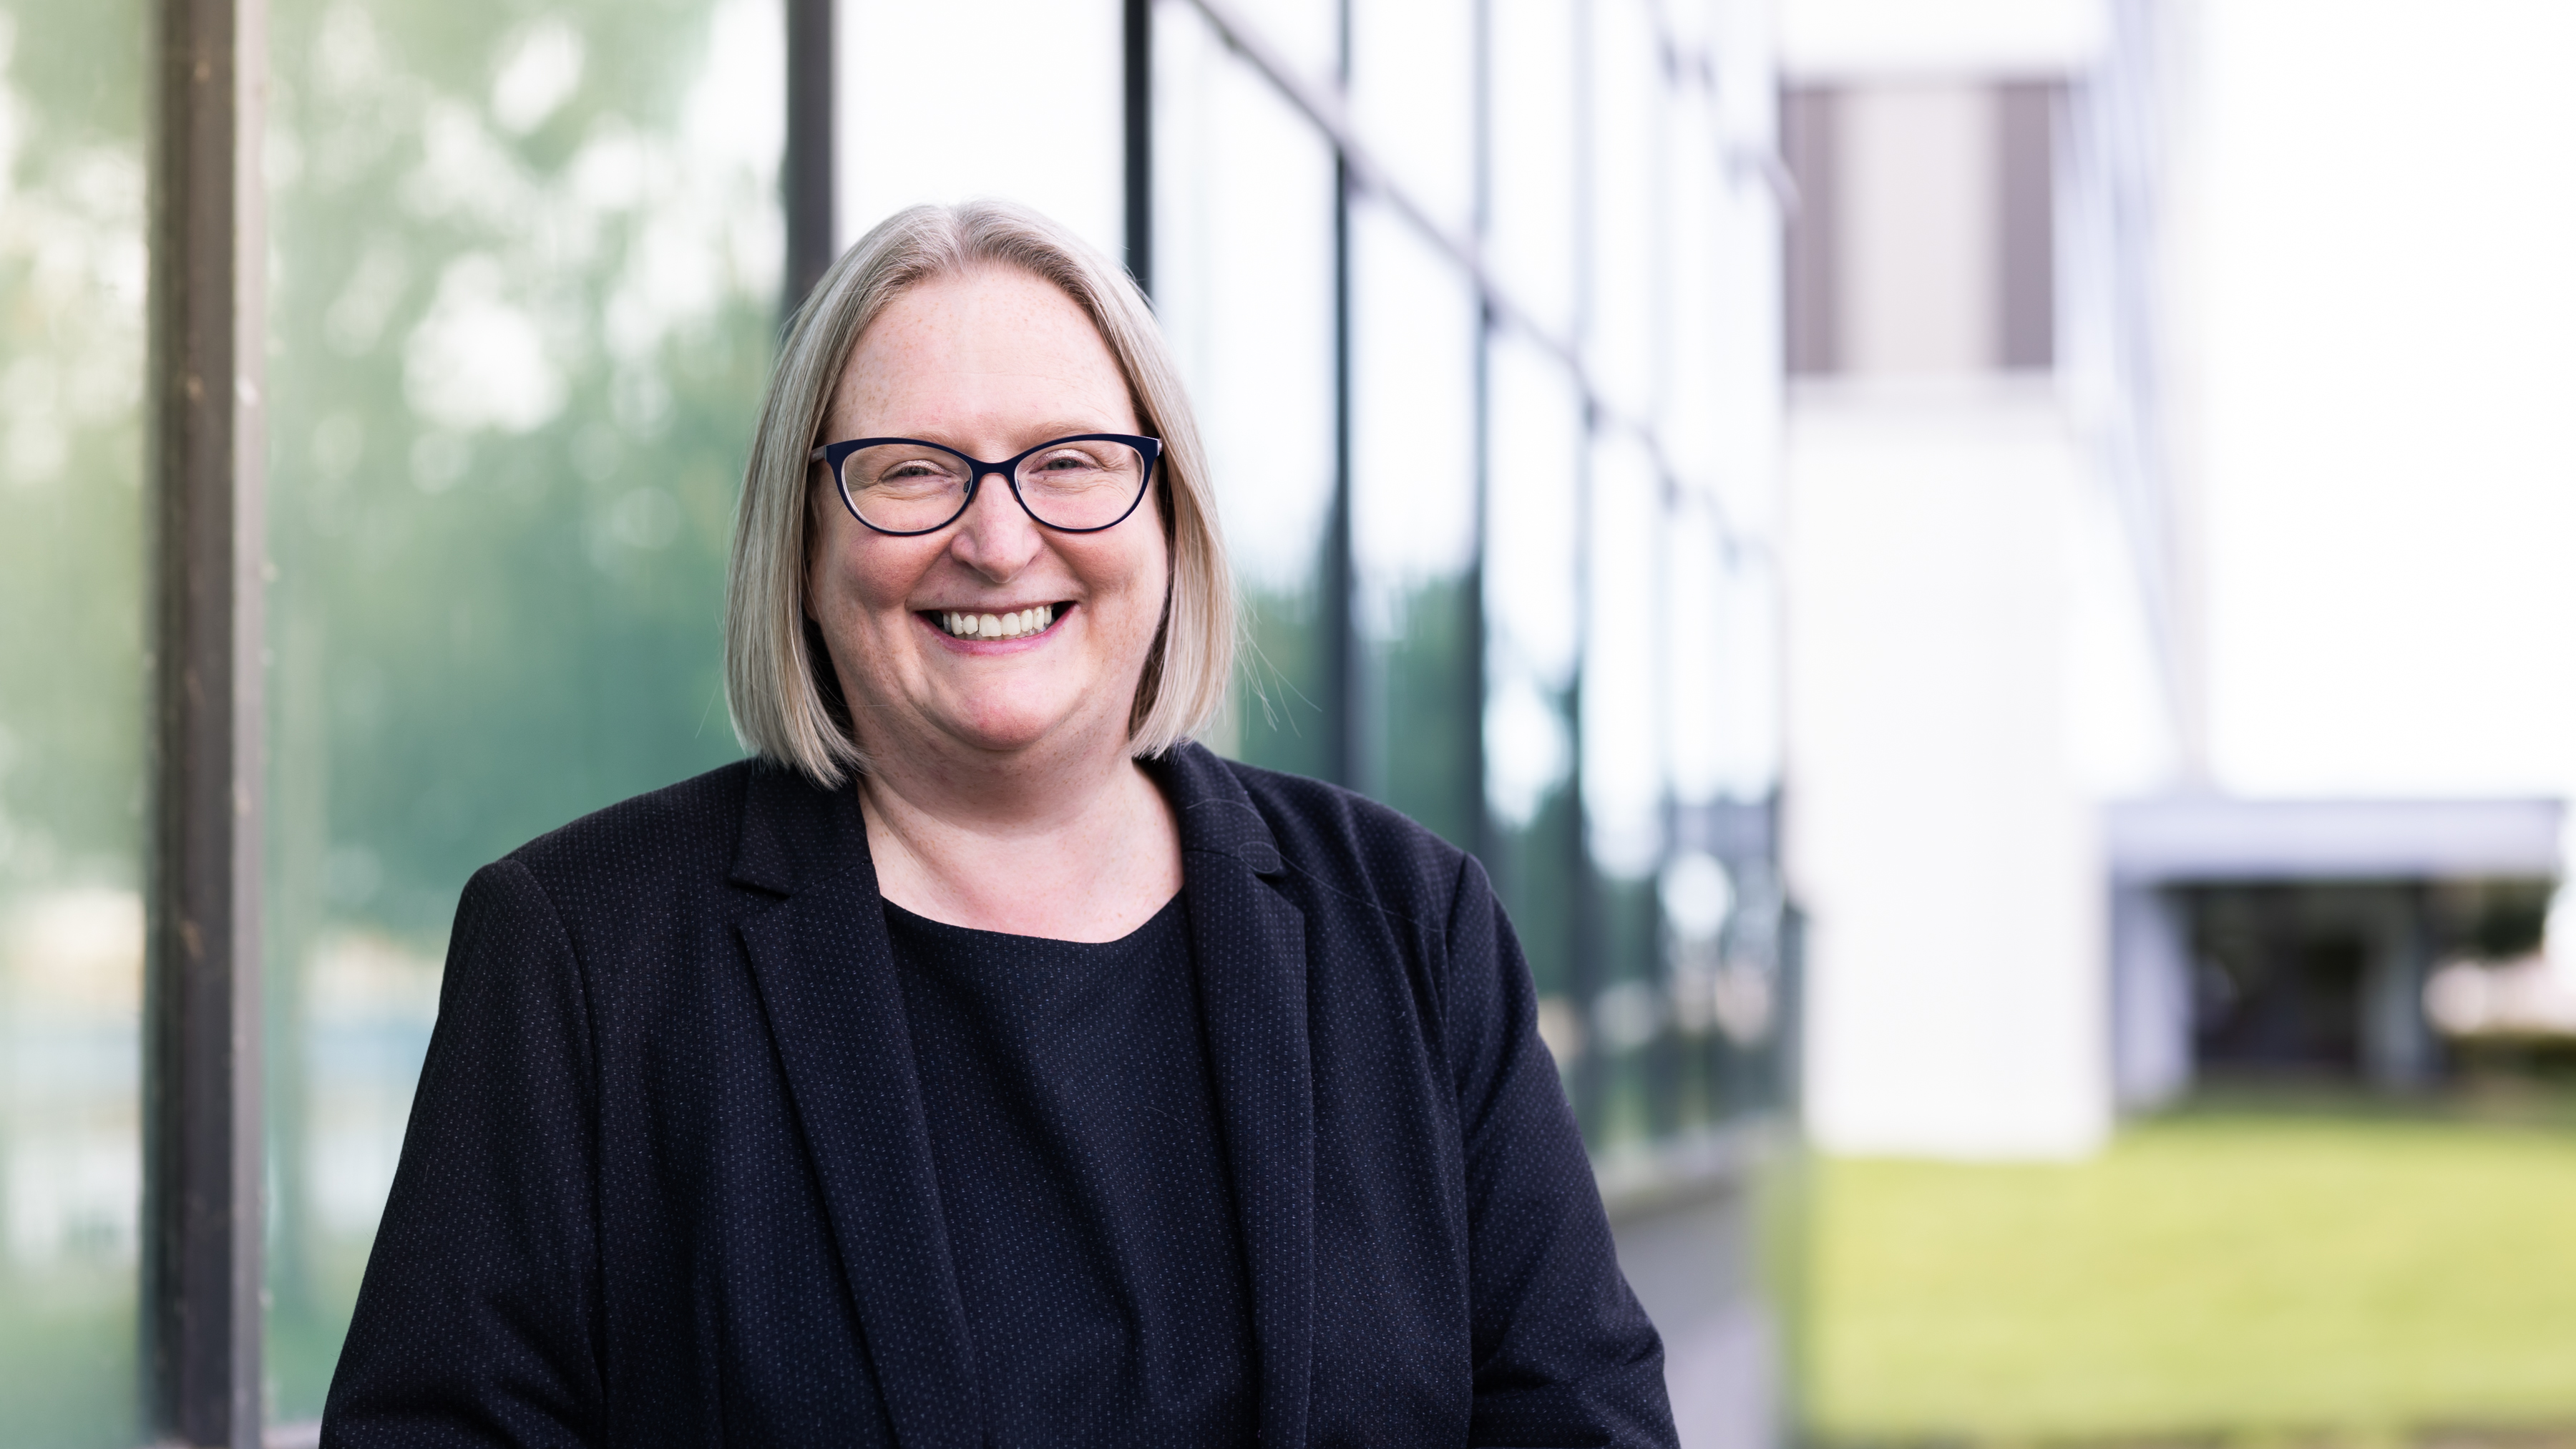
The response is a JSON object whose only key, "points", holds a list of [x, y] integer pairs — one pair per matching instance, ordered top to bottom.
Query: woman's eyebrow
{"points": [[1064, 429], [1038, 435]]}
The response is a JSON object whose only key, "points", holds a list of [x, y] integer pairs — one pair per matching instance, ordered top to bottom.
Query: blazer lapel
{"points": [[1248, 946], [827, 982]]}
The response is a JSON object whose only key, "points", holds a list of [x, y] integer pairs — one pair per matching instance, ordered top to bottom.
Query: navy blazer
{"points": [[668, 1178]]}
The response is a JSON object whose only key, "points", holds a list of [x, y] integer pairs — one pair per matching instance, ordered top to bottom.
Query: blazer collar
{"points": [[1216, 814], [794, 835], [1248, 948], [827, 979]]}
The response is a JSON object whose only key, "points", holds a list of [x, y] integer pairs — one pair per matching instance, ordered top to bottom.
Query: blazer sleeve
{"points": [[478, 1320], [1564, 1355]]}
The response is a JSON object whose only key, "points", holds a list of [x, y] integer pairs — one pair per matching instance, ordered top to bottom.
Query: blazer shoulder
{"points": [[685, 829], [1354, 844]]}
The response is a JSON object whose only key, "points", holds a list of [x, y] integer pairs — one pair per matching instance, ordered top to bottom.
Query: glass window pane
{"points": [[973, 98], [1413, 101], [1534, 133], [1626, 251], [1745, 259], [526, 276], [1244, 286], [1414, 322], [1686, 379], [1740, 401], [1533, 486], [1532, 513], [1696, 568], [1625, 618], [71, 718], [1746, 727], [1623, 783]]}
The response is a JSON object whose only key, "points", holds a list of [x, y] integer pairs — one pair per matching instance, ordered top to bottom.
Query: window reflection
{"points": [[1413, 96], [1535, 128], [1627, 138], [525, 283], [1244, 287], [1414, 322], [1695, 562], [1532, 611], [1627, 614], [71, 719], [1622, 765]]}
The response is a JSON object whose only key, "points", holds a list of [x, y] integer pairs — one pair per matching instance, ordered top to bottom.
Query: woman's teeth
{"points": [[998, 626]]}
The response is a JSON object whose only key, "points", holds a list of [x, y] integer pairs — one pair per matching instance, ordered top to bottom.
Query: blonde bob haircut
{"points": [[779, 684]]}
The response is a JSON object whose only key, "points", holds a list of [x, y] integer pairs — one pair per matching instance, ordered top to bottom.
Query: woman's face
{"points": [[989, 362]]}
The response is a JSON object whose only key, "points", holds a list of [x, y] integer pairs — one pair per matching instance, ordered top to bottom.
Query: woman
{"points": [[985, 1063]]}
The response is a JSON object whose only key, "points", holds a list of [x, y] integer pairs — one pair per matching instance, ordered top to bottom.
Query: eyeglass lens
{"points": [[905, 487]]}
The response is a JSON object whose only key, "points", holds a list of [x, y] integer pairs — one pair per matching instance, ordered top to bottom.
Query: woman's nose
{"points": [[996, 538]]}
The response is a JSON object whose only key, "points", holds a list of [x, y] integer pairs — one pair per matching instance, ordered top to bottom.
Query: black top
{"points": [[1073, 1135], [669, 1180]]}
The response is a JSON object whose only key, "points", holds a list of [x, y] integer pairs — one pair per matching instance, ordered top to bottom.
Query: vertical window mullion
{"points": [[1136, 48], [805, 171], [1343, 678], [1473, 726], [1589, 931], [201, 1317]]}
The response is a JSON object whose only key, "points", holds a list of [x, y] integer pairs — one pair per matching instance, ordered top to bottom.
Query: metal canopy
{"points": [[2217, 838]]}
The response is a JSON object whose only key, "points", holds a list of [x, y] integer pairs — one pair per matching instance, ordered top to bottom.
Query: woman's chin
{"points": [[1019, 726]]}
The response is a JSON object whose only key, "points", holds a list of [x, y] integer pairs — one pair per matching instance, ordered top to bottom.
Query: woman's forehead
{"points": [[989, 311], [995, 336]]}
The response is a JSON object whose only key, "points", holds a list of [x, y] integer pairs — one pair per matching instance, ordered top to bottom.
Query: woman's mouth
{"points": [[1017, 624]]}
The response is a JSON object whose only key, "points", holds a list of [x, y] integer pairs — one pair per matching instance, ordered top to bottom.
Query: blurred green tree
{"points": [[524, 286], [71, 715]]}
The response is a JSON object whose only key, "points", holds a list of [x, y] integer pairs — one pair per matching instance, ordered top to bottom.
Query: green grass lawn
{"points": [[2240, 1268]]}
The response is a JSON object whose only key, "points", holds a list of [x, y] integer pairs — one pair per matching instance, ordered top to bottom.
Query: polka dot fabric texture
{"points": [[1073, 1135], [672, 1176]]}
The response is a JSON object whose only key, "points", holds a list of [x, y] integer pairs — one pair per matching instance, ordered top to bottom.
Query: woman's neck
{"points": [[1083, 850]]}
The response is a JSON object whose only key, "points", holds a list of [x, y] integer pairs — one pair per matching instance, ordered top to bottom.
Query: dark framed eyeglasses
{"points": [[906, 486]]}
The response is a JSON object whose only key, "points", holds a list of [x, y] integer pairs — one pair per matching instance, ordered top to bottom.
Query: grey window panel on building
{"points": [[1924, 243]]}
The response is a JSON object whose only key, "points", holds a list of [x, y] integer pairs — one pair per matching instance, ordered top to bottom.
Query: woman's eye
{"points": [[918, 473]]}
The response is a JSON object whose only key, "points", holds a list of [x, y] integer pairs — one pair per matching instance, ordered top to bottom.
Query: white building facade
{"points": [[1987, 623]]}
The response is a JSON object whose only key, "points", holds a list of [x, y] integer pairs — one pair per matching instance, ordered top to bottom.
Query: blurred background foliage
{"points": [[523, 291], [71, 372], [505, 445], [71, 712]]}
